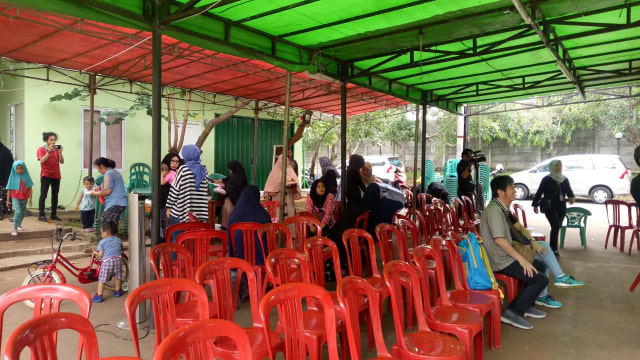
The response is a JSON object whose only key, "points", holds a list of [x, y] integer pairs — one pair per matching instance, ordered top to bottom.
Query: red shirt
{"points": [[51, 167], [22, 193]]}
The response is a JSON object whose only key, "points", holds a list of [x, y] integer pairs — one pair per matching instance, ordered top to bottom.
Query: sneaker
{"points": [[43, 218], [55, 218], [20, 228], [14, 233], [567, 281], [117, 293], [96, 298], [548, 301], [535, 313], [511, 318]]}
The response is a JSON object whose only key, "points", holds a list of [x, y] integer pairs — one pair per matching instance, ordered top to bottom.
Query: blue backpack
{"points": [[476, 264]]}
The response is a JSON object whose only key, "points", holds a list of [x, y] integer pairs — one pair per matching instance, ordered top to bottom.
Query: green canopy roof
{"points": [[441, 52]]}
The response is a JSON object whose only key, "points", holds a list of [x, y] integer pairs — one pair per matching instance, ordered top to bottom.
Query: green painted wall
{"points": [[65, 118]]}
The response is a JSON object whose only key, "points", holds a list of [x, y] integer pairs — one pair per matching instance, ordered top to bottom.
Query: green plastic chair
{"points": [[139, 176], [214, 195], [576, 219]]}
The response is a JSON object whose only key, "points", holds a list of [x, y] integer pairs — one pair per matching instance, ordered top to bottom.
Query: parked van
{"points": [[384, 167], [600, 177]]}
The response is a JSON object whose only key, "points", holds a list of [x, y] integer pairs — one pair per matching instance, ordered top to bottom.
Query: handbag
{"points": [[520, 242]]}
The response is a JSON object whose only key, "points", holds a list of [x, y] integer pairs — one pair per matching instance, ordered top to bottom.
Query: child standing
{"points": [[19, 188], [87, 205], [110, 251]]}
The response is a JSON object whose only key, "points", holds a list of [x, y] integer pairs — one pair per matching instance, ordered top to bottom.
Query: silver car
{"points": [[600, 177]]}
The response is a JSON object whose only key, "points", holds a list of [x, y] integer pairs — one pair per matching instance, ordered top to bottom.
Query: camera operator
{"points": [[466, 187]]}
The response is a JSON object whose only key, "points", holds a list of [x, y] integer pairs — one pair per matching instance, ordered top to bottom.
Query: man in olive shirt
{"points": [[504, 259]]}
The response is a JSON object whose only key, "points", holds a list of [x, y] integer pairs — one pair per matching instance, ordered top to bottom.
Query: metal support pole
{"points": [[92, 94], [256, 110], [156, 112], [343, 136], [285, 138], [415, 161], [423, 186], [137, 249]]}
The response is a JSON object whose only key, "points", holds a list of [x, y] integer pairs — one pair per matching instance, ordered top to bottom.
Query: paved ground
{"points": [[599, 321]]}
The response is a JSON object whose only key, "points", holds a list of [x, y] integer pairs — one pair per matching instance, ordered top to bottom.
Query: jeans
{"points": [[44, 190], [20, 207], [555, 217], [550, 260], [533, 285]]}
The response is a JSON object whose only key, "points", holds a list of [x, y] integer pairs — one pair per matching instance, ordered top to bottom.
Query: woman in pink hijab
{"points": [[273, 186]]}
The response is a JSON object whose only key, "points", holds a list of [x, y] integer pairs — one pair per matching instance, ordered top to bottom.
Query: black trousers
{"points": [[44, 190], [87, 217], [555, 217], [533, 285]]}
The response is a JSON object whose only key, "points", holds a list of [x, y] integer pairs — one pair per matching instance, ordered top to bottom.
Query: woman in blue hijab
{"points": [[189, 191], [248, 209]]}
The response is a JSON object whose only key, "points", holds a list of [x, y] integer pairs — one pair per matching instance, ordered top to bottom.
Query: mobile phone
{"points": [[58, 147]]}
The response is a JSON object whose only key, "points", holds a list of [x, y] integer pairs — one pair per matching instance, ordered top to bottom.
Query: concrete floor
{"points": [[598, 321]]}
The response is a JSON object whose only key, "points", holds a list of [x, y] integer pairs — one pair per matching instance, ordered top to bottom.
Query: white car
{"points": [[385, 168], [600, 177]]}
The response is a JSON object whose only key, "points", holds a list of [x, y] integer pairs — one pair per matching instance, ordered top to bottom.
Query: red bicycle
{"points": [[46, 271]]}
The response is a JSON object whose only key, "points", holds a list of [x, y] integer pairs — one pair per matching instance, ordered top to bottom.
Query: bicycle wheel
{"points": [[39, 278], [111, 284]]}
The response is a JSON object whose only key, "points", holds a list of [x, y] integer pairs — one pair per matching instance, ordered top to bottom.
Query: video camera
{"points": [[478, 156]]}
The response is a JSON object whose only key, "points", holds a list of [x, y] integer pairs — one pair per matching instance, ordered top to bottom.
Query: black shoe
{"points": [[43, 218], [55, 218]]}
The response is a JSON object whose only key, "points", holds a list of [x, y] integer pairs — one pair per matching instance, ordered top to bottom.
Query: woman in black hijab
{"points": [[233, 185]]}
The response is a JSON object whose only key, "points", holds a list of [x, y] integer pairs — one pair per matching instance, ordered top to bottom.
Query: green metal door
{"points": [[234, 141]]}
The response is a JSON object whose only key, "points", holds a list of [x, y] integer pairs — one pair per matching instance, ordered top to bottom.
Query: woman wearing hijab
{"points": [[366, 173], [233, 185], [273, 186], [554, 190], [189, 191], [320, 202], [248, 209], [382, 209]]}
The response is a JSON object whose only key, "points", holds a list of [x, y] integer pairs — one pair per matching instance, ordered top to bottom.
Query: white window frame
{"points": [[103, 134]]}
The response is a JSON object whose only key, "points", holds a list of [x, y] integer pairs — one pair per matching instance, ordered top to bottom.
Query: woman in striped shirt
{"points": [[189, 191]]}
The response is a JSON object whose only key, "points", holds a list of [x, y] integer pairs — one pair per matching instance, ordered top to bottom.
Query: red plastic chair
{"points": [[408, 197], [424, 199], [272, 208], [336, 210], [305, 213], [519, 213], [620, 216], [363, 220], [469, 223], [426, 226], [185, 227], [409, 230], [301, 231], [386, 233], [277, 235], [355, 240], [203, 244], [319, 250], [251, 254], [286, 266], [181, 267], [216, 274], [460, 283], [635, 283], [352, 291], [162, 294], [46, 299], [288, 300], [457, 312], [39, 335], [198, 341], [423, 343]]}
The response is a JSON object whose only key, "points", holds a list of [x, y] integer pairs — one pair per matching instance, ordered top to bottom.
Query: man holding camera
{"points": [[466, 187]]}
